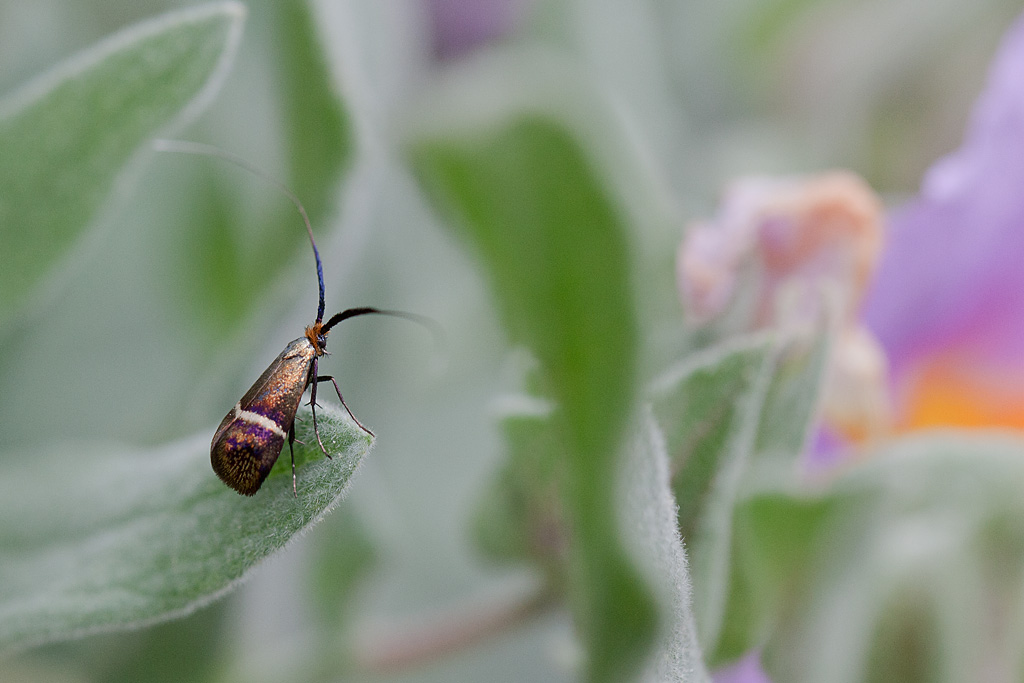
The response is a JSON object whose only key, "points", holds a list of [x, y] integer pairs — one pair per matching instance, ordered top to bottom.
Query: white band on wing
{"points": [[258, 420]]}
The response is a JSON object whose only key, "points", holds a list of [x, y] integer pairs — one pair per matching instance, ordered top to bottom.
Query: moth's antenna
{"points": [[188, 147], [429, 323]]}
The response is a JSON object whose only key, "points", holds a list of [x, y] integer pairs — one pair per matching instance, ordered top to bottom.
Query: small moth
{"points": [[250, 437]]}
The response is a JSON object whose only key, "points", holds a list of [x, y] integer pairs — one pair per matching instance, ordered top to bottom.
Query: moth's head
{"points": [[317, 337]]}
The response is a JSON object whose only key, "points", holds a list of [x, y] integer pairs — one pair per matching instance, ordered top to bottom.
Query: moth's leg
{"points": [[330, 378], [312, 405], [291, 440]]}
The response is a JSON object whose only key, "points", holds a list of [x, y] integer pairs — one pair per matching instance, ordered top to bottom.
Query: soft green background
{"points": [[533, 196]]}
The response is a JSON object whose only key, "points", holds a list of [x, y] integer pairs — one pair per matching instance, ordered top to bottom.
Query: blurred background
{"points": [[159, 324]]}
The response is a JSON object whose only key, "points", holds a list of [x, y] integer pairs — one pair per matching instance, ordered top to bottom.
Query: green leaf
{"points": [[318, 126], [65, 137], [524, 192], [224, 244], [794, 394], [697, 404], [710, 407], [726, 410], [520, 516], [649, 519], [125, 538], [711, 540], [344, 552], [769, 569], [895, 569], [150, 654]]}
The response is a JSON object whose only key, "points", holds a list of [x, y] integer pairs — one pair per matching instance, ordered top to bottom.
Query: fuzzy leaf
{"points": [[317, 122], [65, 137], [525, 193], [224, 245], [746, 401], [696, 404], [791, 404], [520, 516], [649, 523], [124, 538], [711, 540], [782, 556], [894, 570]]}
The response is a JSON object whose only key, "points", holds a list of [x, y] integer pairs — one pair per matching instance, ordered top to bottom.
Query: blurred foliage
{"points": [[67, 135], [318, 141], [532, 194], [556, 251], [726, 412], [913, 549], [85, 562]]}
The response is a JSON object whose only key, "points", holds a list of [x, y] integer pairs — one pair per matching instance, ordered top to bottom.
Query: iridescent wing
{"points": [[249, 439]]}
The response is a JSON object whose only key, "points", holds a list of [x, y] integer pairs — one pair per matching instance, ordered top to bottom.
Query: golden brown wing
{"points": [[250, 437]]}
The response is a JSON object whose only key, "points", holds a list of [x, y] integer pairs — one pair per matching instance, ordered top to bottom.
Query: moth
{"points": [[250, 437]]}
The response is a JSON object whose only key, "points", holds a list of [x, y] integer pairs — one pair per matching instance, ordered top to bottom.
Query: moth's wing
{"points": [[250, 437], [243, 453]]}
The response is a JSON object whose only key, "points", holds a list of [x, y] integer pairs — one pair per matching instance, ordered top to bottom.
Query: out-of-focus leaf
{"points": [[625, 49], [317, 121], [317, 132], [65, 137], [525, 193], [749, 401], [696, 404], [791, 404], [521, 516], [649, 523], [121, 538], [710, 542], [344, 554], [781, 562], [894, 569], [150, 654]]}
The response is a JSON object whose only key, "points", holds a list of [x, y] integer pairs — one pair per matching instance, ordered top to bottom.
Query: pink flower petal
{"points": [[462, 25], [952, 273], [746, 670]]}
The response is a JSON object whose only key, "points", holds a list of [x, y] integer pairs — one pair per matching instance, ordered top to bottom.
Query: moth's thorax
{"points": [[317, 338]]}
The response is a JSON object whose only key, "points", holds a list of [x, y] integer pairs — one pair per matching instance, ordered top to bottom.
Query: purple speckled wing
{"points": [[250, 437]]}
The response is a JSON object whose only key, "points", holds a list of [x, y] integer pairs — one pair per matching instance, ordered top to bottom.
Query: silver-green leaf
{"points": [[65, 137], [525, 188], [747, 401], [649, 525], [120, 538], [906, 567]]}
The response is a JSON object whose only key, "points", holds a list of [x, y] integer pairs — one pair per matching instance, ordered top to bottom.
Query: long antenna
{"points": [[188, 147], [429, 323]]}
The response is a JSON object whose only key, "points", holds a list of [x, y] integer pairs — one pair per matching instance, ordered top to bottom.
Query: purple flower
{"points": [[461, 25], [951, 279], [947, 303], [746, 670]]}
